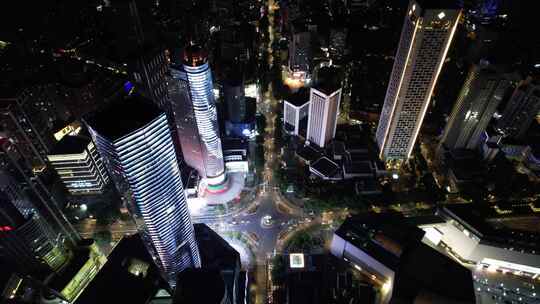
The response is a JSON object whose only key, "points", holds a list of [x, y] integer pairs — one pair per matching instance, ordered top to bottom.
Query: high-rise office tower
{"points": [[426, 36], [300, 55], [148, 70], [484, 88], [234, 97], [324, 101], [240, 109], [521, 110], [295, 112], [323, 113], [196, 116], [139, 155], [79, 165], [34, 232], [26, 238]]}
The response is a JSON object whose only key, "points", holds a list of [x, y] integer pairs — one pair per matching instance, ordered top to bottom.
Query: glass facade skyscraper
{"points": [[482, 92], [138, 151], [34, 234]]}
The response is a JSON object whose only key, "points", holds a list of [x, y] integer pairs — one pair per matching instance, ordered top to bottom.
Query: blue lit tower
{"points": [[199, 80], [138, 152]]}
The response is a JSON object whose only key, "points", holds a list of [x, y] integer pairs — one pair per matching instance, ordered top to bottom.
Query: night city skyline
{"points": [[269, 152]]}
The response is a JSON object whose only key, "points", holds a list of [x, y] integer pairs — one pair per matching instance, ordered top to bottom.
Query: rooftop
{"points": [[195, 55], [328, 80], [299, 98], [123, 116], [71, 145], [308, 153], [326, 167], [362, 167], [474, 219], [383, 236], [420, 271], [424, 272], [116, 283], [199, 285]]}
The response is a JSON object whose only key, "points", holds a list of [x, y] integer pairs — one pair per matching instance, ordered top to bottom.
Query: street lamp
{"points": [[83, 207]]}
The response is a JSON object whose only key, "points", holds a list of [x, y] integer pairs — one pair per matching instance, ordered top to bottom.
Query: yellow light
{"points": [[386, 286]]}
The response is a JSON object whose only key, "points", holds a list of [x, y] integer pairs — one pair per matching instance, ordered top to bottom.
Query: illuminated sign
{"points": [[128, 87], [296, 260]]}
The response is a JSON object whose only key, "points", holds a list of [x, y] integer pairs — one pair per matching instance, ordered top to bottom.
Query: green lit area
{"points": [[85, 275]]}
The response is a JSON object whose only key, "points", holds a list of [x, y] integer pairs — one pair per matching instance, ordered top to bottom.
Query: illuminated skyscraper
{"points": [[425, 39], [478, 100], [324, 101], [196, 111], [323, 113], [139, 155], [79, 165], [34, 234], [25, 237]]}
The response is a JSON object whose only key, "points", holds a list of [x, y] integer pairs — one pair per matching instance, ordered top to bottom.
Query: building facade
{"points": [[425, 39], [300, 55], [149, 71], [482, 92], [235, 100], [522, 109], [295, 113], [323, 114], [202, 150], [141, 160], [79, 165], [34, 233], [26, 238]]}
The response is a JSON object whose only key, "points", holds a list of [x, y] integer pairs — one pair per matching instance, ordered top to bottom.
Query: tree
{"points": [[103, 238], [279, 267]]}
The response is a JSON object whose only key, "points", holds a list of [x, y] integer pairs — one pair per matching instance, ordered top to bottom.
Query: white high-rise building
{"points": [[425, 39], [295, 112], [195, 114], [323, 114], [139, 155]]}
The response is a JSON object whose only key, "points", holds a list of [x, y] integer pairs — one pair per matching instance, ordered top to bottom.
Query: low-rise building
{"points": [[326, 169], [473, 240], [390, 251]]}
